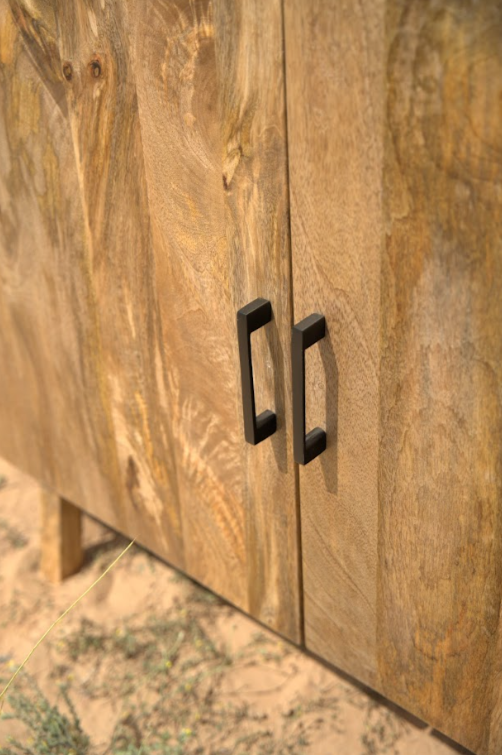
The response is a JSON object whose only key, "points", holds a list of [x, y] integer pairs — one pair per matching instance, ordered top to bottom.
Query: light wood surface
{"points": [[334, 56], [250, 69], [104, 123], [221, 169], [396, 184], [147, 203], [76, 392], [55, 421], [61, 537], [440, 545]]}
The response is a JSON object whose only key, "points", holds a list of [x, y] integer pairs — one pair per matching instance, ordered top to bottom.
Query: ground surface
{"points": [[151, 663]]}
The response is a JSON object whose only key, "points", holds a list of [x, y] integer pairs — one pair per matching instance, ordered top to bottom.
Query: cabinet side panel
{"points": [[334, 82], [103, 113], [55, 420], [440, 545]]}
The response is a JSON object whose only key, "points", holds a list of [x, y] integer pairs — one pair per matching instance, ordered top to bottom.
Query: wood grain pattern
{"points": [[176, 41], [334, 57], [250, 63], [103, 114], [399, 124], [222, 168], [167, 181], [67, 308], [53, 402], [440, 546], [62, 553]]}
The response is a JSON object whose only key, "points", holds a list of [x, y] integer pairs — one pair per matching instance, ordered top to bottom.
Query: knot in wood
{"points": [[95, 68], [68, 71]]}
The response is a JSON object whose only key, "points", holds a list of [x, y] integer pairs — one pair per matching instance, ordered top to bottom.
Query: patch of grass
{"points": [[200, 595], [87, 639], [166, 674], [174, 692], [383, 728], [48, 729]]}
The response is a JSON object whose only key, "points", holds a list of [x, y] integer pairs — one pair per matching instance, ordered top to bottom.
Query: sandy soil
{"points": [[151, 663]]}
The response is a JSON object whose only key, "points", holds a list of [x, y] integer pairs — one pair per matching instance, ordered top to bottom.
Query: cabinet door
{"points": [[395, 146], [144, 201]]}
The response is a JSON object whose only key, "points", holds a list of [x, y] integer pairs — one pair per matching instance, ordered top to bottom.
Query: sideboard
{"points": [[225, 224]]}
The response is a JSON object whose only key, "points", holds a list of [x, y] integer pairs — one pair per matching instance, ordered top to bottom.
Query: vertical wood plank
{"points": [[334, 64], [250, 65], [178, 107], [103, 114], [212, 119], [122, 324], [53, 399], [61, 537], [440, 546], [434, 607]]}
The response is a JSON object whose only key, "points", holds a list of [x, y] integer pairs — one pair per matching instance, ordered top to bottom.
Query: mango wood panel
{"points": [[334, 64], [250, 68], [212, 112], [103, 116], [171, 212], [78, 336], [54, 410], [440, 545], [431, 560]]}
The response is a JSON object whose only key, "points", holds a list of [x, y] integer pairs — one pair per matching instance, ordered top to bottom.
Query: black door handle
{"points": [[252, 317], [306, 333]]}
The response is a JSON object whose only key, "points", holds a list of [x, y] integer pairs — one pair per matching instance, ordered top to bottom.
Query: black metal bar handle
{"points": [[252, 317], [306, 333]]}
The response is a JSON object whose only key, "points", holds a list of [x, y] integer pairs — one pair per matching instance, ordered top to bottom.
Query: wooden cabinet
{"points": [[395, 160], [163, 164], [144, 200]]}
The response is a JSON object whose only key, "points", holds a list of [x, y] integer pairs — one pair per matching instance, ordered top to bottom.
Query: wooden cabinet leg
{"points": [[61, 538]]}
